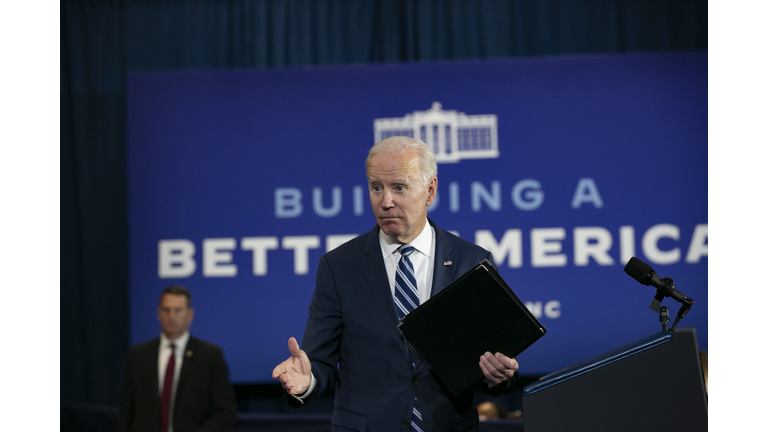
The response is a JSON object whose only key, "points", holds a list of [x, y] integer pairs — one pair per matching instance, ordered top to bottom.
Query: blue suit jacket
{"points": [[352, 322]]}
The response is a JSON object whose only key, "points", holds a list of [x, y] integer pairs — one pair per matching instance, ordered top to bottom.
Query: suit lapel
{"points": [[445, 263], [372, 266], [151, 364], [186, 365]]}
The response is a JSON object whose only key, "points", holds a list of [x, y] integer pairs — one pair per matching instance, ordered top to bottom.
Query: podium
{"points": [[656, 383]]}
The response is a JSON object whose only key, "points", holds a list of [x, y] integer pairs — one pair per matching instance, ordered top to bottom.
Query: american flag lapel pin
{"points": [[447, 263]]}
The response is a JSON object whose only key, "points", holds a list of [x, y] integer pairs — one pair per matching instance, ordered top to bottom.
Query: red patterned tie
{"points": [[165, 401]]}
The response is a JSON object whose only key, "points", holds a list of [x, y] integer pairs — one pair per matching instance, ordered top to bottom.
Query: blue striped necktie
{"points": [[406, 291], [406, 300]]}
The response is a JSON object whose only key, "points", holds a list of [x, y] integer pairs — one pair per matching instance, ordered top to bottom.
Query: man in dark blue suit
{"points": [[379, 384]]}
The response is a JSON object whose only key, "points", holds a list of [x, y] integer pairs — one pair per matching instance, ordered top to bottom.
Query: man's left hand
{"points": [[497, 368]]}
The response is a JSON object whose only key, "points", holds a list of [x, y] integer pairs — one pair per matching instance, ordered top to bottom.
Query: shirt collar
{"points": [[422, 242], [180, 342]]}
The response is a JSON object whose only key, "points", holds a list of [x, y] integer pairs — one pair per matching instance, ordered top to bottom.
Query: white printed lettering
{"points": [[453, 188], [586, 191], [357, 193], [527, 195], [492, 199], [317, 202], [288, 203], [627, 239], [592, 242], [545, 243], [651, 244], [511, 245], [259, 246], [301, 246], [699, 246], [175, 258], [215, 262], [535, 308], [552, 309]]}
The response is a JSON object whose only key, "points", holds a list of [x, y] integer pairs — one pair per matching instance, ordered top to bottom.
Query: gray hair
{"points": [[397, 144]]}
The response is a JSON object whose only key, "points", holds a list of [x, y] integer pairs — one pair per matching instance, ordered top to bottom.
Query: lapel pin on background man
{"points": [[351, 343], [176, 383]]}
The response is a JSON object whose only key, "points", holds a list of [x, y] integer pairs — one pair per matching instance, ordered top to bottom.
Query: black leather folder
{"points": [[476, 313]]}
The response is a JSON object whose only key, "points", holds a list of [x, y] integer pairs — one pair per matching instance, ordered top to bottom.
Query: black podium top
{"points": [[598, 362], [654, 383]]}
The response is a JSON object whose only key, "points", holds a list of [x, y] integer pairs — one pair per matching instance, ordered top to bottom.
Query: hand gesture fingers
{"points": [[497, 368], [295, 372]]}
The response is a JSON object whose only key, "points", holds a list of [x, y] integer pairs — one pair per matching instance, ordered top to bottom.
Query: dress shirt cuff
{"points": [[303, 397]]}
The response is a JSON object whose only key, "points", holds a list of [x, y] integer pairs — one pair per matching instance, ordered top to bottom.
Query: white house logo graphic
{"points": [[452, 135]]}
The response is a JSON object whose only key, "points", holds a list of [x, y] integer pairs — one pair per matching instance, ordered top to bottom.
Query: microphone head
{"points": [[639, 270]]}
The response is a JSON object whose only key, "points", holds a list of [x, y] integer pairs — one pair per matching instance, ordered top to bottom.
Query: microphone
{"points": [[644, 274], [665, 287]]}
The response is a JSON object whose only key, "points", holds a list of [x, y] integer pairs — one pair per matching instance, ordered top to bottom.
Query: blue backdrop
{"points": [[564, 167]]}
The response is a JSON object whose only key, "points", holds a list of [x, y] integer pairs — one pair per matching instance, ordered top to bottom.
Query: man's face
{"points": [[398, 199], [174, 315]]}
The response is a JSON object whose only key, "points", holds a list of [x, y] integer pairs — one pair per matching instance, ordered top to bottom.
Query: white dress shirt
{"points": [[423, 259], [162, 363]]}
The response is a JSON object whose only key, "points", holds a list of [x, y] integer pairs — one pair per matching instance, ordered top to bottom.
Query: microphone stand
{"points": [[683, 310], [663, 311], [664, 318]]}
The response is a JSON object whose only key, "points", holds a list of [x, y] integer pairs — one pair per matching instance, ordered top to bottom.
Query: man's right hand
{"points": [[295, 374]]}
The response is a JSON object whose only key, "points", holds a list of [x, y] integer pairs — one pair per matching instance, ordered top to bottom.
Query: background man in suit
{"points": [[354, 311], [176, 382]]}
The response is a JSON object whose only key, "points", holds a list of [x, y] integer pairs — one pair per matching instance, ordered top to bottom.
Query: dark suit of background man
{"points": [[352, 318], [202, 398]]}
